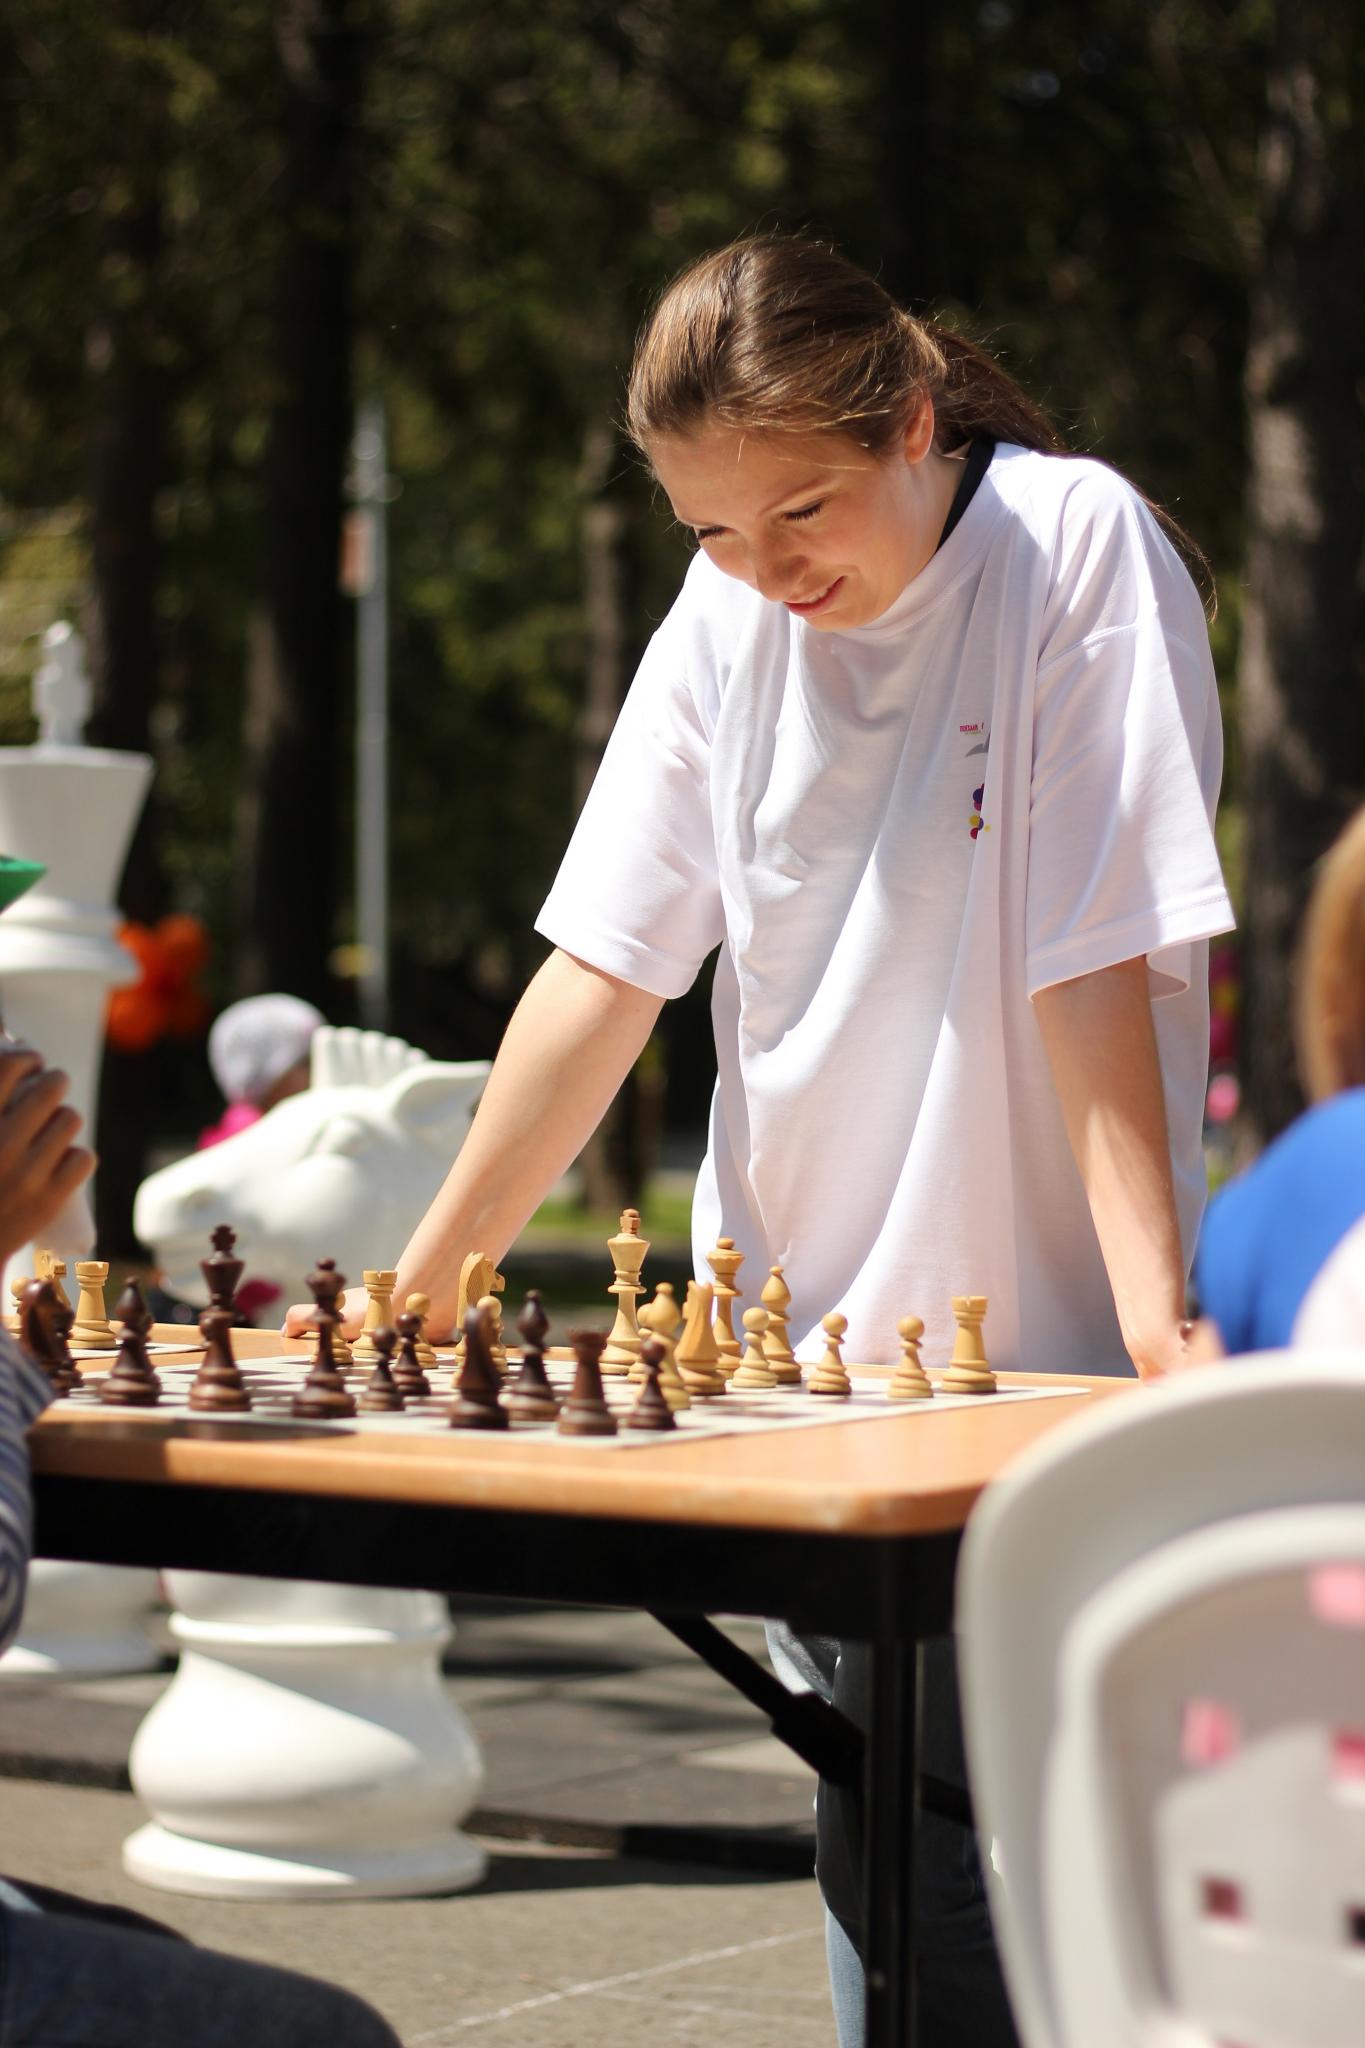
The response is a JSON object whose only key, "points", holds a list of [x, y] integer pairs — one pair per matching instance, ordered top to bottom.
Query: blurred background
{"points": [[315, 322]]}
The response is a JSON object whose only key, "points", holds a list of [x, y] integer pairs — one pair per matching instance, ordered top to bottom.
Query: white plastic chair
{"points": [[1162, 1620]]}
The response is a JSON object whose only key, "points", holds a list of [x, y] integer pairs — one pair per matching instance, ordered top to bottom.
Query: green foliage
{"points": [[1073, 184]]}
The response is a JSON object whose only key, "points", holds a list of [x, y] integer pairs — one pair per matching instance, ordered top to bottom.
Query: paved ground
{"points": [[666, 1899]]}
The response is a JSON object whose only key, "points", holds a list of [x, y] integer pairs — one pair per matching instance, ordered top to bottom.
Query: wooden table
{"points": [[850, 1529]]}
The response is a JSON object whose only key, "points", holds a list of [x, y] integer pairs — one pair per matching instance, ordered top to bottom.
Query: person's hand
{"points": [[40, 1163], [353, 1304], [1176, 1349]]}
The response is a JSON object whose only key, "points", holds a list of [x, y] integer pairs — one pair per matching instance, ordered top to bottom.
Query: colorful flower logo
{"points": [[977, 824]]}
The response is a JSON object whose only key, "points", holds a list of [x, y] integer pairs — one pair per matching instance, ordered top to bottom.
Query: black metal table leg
{"points": [[890, 1811]]}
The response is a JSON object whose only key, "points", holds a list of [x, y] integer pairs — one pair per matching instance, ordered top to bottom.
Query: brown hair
{"points": [[778, 334], [1330, 1017]]}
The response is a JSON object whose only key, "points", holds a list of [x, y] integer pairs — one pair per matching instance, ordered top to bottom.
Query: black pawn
{"points": [[222, 1270], [39, 1310], [63, 1316], [408, 1375], [131, 1383], [218, 1387], [382, 1395], [323, 1396], [532, 1398], [477, 1405], [651, 1411], [586, 1413]]}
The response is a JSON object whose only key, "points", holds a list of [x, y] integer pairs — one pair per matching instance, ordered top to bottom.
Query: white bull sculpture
{"points": [[345, 1170]]}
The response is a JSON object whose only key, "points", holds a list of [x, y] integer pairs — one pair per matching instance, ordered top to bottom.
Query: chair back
{"points": [[1162, 1619]]}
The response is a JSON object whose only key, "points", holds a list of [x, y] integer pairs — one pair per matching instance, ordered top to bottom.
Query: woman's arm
{"points": [[573, 1038], [1101, 1046]]}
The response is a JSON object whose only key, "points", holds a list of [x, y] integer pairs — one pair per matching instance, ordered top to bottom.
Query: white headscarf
{"points": [[257, 1040]]}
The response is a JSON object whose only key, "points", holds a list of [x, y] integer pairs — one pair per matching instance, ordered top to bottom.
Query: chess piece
{"points": [[628, 1251], [725, 1262], [47, 1266], [222, 1269], [478, 1276], [18, 1282], [380, 1282], [777, 1299], [420, 1306], [490, 1308], [39, 1312], [662, 1318], [60, 1323], [91, 1331], [696, 1357], [754, 1370], [969, 1370], [408, 1375], [830, 1376], [131, 1382], [910, 1382], [218, 1388], [382, 1394], [323, 1396], [532, 1398], [476, 1404], [651, 1410], [585, 1413]]}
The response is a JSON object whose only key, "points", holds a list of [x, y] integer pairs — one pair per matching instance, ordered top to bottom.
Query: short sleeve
{"points": [[1127, 758], [637, 893]]}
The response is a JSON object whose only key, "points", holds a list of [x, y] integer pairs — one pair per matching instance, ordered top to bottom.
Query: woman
{"points": [[929, 747]]}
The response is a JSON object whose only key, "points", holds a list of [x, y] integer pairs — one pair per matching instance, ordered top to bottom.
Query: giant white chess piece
{"points": [[73, 808], [344, 1171], [307, 1747]]}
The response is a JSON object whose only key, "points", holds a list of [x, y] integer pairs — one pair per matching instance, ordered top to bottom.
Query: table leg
{"points": [[890, 1809]]}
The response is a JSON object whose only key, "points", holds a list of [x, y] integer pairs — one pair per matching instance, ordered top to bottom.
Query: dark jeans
{"points": [[73, 1975], [961, 1994]]}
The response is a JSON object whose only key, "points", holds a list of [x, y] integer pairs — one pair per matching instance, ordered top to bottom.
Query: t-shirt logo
{"points": [[977, 822]]}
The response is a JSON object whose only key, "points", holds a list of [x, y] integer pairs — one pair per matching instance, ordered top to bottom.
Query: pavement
{"points": [[650, 1847]]}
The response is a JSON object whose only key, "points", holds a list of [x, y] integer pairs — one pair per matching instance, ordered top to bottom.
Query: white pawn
{"points": [[420, 1305], [491, 1308], [753, 1369], [829, 1376], [910, 1382]]}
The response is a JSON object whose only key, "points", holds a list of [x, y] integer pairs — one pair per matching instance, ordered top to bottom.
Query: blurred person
{"points": [[928, 746], [259, 1054], [1281, 1257], [74, 1974]]}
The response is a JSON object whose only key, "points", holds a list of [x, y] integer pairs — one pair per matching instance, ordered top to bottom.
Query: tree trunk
{"points": [[127, 455], [1302, 677], [290, 813], [619, 1157]]}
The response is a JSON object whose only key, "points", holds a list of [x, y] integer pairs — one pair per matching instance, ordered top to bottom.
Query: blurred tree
{"points": [[1302, 675], [289, 791]]}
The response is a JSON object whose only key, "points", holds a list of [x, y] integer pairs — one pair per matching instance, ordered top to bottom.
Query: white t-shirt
{"points": [[897, 835]]}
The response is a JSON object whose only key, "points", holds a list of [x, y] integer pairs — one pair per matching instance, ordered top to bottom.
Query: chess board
{"points": [[273, 1382]]}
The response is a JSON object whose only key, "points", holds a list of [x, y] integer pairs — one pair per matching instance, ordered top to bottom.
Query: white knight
{"points": [[344, 1170]]}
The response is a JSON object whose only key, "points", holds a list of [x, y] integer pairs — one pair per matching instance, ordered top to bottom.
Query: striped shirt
{"points": [[24, 1393]]}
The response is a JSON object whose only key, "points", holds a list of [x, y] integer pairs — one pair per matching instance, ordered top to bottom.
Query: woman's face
{"points": [[812, 521]]}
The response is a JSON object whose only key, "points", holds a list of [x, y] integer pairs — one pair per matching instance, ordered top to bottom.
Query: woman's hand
{"points": [[41, 1165]]}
